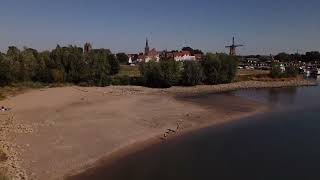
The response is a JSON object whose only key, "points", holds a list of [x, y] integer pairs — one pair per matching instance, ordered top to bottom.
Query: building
{"points": [[147, 48], [153, 54], [149, 55], [182, 56]]}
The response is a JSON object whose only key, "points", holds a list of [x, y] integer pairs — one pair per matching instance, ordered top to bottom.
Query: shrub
{"points": [[114, 64], [219, 68], [171, 70], [276, 71], [291, 71], [5, 73], [192, 73], [57, 75], [153, 75], [120, 80], [103, 81], [136, 81]]}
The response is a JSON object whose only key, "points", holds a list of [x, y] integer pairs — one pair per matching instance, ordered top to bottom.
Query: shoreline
{"points": [[240, 86], [129, 91], [130, 149]]}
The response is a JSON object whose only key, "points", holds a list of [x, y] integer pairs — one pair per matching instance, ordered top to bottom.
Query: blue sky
{"points": [[122, 25]]}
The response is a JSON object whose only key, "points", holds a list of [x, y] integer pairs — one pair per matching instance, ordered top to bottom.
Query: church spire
{"points": [[147, 49]]}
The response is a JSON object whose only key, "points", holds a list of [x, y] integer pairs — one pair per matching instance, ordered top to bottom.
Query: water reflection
{"points": [[287, 95], [273, 97]]}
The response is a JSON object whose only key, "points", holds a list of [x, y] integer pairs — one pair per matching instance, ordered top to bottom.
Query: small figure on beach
{"points": [[4, 109]]}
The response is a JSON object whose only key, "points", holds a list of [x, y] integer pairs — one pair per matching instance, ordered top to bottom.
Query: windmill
{"points": [[233, 47]]}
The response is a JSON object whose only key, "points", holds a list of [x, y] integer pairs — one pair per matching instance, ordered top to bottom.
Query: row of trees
{"points": [[307, 57], [61, 65], [98, 67], [214, 69]]}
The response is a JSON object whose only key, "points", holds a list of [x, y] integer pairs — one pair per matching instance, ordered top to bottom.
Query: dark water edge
{"points": [[284, 144]]}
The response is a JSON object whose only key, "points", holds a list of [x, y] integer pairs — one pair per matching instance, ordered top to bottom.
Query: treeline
{"points": [[307, 57], [61, 65], [100, 67], [213, 69]]}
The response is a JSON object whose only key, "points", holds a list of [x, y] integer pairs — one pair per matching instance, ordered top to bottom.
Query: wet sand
{"points": [[53, 133]]}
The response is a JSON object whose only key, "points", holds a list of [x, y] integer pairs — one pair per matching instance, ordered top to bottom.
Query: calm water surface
{"points": [[284, 144]]}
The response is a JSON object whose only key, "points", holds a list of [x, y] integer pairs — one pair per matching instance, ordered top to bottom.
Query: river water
{"points": [[283, 144]]}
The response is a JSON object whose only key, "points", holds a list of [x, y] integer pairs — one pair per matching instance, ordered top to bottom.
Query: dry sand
{"points": [[52, 132]]}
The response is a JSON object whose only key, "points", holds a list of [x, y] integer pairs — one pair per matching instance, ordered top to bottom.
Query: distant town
{"points": [[308, 63]]}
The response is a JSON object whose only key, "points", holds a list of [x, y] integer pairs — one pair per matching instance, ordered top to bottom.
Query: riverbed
{"points": [[281, 144]]}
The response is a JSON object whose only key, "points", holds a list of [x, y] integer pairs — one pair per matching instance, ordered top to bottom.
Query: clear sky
{"points": [[264, 26]]}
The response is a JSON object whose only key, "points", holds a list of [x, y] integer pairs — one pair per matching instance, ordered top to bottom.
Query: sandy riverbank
{"points": [[52, 132]]}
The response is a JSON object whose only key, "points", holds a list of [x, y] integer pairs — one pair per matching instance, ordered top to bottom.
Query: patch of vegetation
{"points": [[61, 65], [219, 68], [214, 69], [131, 71], [277, 72], [192, 73], [153, 75], [122, 80], [17, 88], [2, 97], [3, 156], [3, 176]]}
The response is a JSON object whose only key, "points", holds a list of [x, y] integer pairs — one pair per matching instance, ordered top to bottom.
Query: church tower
{"points": [[147, 49]]}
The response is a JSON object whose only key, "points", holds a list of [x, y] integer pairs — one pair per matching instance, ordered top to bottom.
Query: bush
{"points": [[114, 64], [219, 68], [171, 70], [276, 71], [291, 71], [5, 73], [192, 73], [153, 75], [57, 76], [120, 80], [103, 81], [136, 81]]}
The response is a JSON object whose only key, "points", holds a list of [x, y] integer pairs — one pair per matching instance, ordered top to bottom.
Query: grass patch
{"points": [[127, 70], [18, 88], [3, 156], [3, 177]]}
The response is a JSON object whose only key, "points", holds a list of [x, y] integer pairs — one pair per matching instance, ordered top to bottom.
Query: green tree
{"points": [[13, 56], [283, 57], [122, 58], [114, 64], [28, 65], [219, 68], [100, 69], [171, 71], [276, 71], [291, 71], [42, 72], [5, 73], [192, 73], [153, 75]]}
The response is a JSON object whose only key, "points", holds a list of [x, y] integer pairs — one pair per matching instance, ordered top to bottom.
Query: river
{"points": [[283, 144]]}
